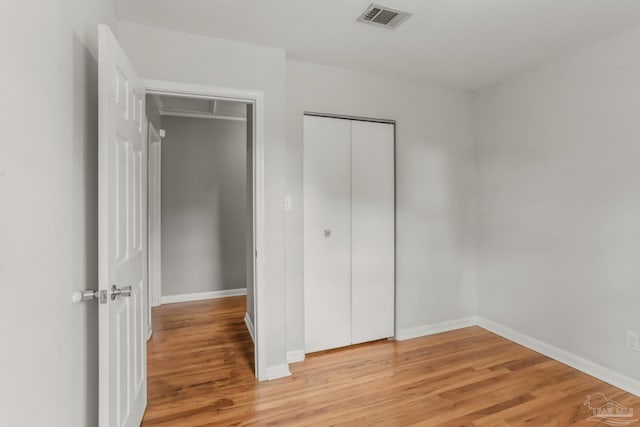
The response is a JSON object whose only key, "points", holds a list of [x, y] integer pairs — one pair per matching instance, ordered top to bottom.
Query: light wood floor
{"points": [[200, 374]]}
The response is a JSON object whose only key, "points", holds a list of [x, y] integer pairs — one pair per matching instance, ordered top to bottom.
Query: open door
{"points": [[122, 188]]}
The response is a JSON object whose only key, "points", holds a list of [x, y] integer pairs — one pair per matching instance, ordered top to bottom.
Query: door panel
{"points": [[137, 198], [373, 230], [327, 233], [122, 237]]}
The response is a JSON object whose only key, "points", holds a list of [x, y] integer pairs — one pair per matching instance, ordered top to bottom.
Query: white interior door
{"points": [[122, 185], [155, 217], [373, 231], [327, 233]]}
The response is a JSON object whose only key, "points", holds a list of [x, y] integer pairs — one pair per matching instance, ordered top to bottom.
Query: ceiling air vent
{"points": [[383, 16]]}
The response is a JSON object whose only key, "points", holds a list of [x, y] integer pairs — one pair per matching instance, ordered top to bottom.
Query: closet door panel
{"points": [[373, 231], [327, 233]]}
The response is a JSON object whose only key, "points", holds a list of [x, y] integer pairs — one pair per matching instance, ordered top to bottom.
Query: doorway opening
{"points": [[205, 200]]}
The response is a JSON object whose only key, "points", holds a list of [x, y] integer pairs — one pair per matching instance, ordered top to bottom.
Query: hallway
{"points": [[199, 354]]}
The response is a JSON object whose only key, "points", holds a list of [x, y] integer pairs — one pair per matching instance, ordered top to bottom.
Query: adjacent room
{"points": [[199, 163], [286, 212], [202, 213]]}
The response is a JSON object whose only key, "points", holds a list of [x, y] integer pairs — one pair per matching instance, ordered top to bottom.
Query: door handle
{"points": [[115, 291], [89, 295], [82, 296]]}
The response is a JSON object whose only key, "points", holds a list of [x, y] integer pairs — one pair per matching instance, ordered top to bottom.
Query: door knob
{"points": [[115, 291], [89, 295], [81, 296]]}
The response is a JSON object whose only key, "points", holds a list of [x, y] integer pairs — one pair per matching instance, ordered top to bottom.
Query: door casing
{"points": [[255, 97], [155, 221]]}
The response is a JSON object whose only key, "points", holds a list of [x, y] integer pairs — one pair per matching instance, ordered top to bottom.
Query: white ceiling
{"points": [[463, 43]]}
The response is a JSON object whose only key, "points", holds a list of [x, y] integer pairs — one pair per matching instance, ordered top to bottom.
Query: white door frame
{"points": [[161, 87], [154, 214]]}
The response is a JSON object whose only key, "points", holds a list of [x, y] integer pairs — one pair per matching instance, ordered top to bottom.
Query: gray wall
{"points": [[153, 114], [434, 168], [559, 202], [203, 205], [48, 219]]}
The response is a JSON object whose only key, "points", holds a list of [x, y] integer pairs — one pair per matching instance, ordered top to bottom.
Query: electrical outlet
{"points": [[633, 341]]}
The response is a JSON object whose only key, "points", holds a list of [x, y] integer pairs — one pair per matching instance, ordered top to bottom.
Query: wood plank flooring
{"points": [[200, 373]]}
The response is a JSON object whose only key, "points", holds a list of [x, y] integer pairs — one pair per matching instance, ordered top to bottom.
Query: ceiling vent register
{"points": [[382, 16]]}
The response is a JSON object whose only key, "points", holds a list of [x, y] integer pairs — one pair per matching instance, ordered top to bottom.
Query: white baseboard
{"points": [[170, 299], [250, 327], [435, 328], [295, 356], [588, 367], [278, 371], [272, 372]]}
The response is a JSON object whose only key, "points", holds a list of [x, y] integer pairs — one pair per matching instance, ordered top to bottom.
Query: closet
{"points": [[349, 231]]}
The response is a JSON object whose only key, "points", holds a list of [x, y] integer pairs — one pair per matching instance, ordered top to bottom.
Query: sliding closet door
{"points": [[373, 230], [327, 233]]}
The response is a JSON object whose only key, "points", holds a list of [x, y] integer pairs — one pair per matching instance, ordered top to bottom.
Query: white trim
{"points": [[257, 98], [260, 238], [154, 245], [171, 299], [250, 328], [435, 328], [295, 356], [588, 367], [278, 371]]}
